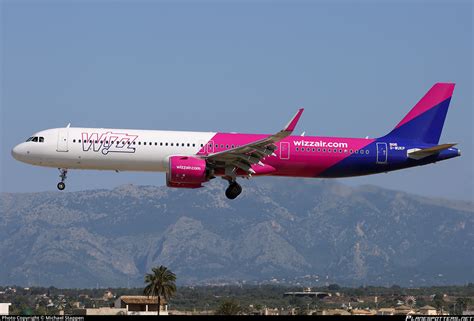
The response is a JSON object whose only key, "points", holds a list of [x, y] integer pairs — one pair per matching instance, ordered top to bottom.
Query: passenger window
{"points": [[73, 140], [79, 140], [161, 144], [166, 144], [171, 144], [188, 145], [194, 145], [202, 145], [232, 146], [297, 148], [313, 149], [319, 150], [340, 151], [350, 151], [367, 151]]}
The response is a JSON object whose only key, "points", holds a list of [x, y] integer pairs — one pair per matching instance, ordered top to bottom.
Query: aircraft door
{"points": [[63, 138], [210, 147], [284, 150], [382, 153]]}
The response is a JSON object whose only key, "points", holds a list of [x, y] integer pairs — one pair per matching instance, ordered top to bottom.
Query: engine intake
{"points": [[186, 172]]}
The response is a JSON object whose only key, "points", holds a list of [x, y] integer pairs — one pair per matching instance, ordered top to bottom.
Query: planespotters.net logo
{"points": [[438, 318]]}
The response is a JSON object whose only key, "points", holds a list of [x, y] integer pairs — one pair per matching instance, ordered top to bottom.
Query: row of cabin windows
{"points": [[36, 139], [135, 143], [155, 143], [335, 150]]}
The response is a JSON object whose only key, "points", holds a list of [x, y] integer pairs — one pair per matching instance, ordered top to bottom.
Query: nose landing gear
{"points": [[63, 172], [233, 190]]}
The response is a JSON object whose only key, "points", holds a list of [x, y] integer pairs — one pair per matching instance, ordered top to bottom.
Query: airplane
{"points": [[191, 159]]}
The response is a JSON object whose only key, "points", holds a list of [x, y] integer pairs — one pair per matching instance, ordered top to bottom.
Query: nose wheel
{"points": [[63, 175], [233, 190]]}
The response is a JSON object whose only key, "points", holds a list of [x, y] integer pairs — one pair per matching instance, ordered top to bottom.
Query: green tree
{"points": [[160, 283], [438, 301], [461, 305], [229, 307]]}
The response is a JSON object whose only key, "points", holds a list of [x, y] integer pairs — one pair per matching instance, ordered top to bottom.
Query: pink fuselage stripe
{"points": [[437, 94], [298, 163]]}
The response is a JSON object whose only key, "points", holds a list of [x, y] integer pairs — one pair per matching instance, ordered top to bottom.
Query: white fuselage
{"points": [[109, 149]]}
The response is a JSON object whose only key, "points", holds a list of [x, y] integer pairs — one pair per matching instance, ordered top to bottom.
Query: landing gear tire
{"points": [[63, 175], [233, 190]]}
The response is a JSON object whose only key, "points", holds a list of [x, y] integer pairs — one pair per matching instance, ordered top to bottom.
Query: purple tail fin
{"points": [[425, 121]]}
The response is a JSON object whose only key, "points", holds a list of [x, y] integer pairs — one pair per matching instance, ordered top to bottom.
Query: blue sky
{"points": [[356, 67]]}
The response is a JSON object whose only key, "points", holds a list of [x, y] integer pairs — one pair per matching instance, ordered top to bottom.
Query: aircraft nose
{"points": [[18, 152]]}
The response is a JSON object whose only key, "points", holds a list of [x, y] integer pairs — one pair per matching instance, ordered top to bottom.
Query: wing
{"points": [[245, 156]]}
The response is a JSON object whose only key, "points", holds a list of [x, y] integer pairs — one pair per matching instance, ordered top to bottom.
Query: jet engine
{"points": [[186, 172]]}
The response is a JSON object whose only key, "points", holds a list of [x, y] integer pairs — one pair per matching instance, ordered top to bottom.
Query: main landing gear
{"points": [[63, 172], [233, 190]]}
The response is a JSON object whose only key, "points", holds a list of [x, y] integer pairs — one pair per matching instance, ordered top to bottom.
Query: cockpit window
{"points": [[36, 139]]}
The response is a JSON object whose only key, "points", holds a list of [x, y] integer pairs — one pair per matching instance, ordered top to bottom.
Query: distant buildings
{"points": [[308, 293], [128, 305], [141, 305], [5, 308], [428, 310], [386, 311]]}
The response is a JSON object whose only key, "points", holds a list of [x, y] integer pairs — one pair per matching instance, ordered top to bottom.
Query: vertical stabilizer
{"points": [[425, 121]]}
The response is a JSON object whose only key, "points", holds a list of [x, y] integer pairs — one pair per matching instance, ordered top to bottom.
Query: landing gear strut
{"points": [[62, 175], [233, 190]]}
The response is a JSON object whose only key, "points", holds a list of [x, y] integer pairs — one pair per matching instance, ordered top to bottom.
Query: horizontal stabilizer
{"points": [[419, 153]]}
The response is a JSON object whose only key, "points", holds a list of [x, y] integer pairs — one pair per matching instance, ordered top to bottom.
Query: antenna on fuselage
{"points": [[68, 125], [302, 134]]}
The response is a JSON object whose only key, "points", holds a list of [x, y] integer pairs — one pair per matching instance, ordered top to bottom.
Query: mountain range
{"points": [[278, 230]]}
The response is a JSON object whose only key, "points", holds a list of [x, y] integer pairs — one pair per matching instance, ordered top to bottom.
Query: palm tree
{"points": [[160, 283]]}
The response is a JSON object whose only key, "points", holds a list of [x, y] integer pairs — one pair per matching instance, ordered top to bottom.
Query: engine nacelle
{"points": [[186, 172]]}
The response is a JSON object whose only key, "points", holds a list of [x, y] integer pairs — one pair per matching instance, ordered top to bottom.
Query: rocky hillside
{"points": [[277, 228]]}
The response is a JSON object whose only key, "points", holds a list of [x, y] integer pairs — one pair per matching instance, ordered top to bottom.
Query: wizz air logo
{"points": [[108, 142], [306, 143]]}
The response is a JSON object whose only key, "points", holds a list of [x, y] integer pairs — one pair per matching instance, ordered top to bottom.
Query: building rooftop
{"points": [[141, 299]]}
